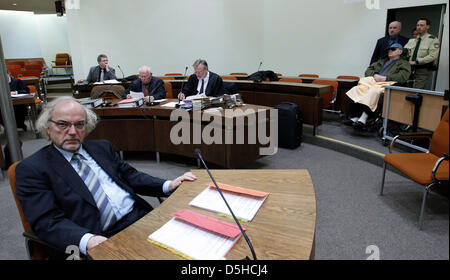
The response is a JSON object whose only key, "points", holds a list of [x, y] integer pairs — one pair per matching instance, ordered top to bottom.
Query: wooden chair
{"points": [[62, 61], [16, 62], [15, 70], [32, 70], [173, 74], [239, 74], [309, 75], [347, 77], [167, 78], [291, 80], [168, 87], [107, 92], [328, 98], [428, 169], [36, 248]]}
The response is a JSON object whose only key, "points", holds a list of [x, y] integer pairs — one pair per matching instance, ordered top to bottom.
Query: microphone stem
{"points": [[229, 208]]}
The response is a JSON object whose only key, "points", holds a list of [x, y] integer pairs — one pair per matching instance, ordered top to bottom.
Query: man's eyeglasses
{"points": [[63, 125]]}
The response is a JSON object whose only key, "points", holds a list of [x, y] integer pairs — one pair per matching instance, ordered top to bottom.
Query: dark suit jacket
{"points": [[382, 45], [94, 74], [19, 85], [214, 87], [155, 88], [58, 204]]}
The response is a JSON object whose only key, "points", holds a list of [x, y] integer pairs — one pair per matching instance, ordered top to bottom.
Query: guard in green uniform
{"points": [[423, 51]]}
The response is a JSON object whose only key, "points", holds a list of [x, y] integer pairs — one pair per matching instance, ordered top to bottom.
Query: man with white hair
{"points": [[151, 87], [76, 192]]}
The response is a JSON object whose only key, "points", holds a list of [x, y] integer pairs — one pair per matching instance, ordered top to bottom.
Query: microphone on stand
{"points": [[260, 63], [123, 76], [181, 90], [199, 155]]}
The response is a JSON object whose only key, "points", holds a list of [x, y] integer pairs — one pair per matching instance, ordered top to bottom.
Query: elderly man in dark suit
{"points": [[383, 43], [101, 72], [202, 83], [151, 87], [76, 192]]}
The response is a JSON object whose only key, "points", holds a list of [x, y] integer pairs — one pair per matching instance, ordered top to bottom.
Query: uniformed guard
{"points": [[423, 51]]}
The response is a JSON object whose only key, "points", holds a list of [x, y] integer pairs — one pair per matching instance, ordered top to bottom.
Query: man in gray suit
{"points": [[101, 72]]}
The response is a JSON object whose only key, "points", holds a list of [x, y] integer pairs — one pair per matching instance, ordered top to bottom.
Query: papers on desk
{"points": [[107, 82], [20, 95], [136, 95], [130, 103], [172, 104], [245, 203], [195, 236]]}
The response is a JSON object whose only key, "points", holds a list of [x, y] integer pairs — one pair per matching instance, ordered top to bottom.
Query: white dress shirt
{"points": [[121, 201]]}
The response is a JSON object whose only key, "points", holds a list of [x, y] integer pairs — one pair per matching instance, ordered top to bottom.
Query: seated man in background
{"points": [[101, 72], [203, 83], [17, 86], [151, 87], [366, 95], [76, 192]]}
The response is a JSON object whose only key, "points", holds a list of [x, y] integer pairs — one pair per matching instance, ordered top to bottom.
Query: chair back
{"points": [[62, 59], [36, 61], [17, 62], [14, 69], [34, 70], [239, 73], [173, 74], [309, 75], [347, 77], [167, 78], [228, 78], [291, 80], [168, 87], [107, 92], [328, 97], [440, 140], [12, 182]]}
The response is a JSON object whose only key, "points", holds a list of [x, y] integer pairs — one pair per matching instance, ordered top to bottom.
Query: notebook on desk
{"points": [[192, 235]]}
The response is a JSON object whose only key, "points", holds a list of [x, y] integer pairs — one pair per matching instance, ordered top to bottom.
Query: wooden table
{"points": [[307, 96], [28, 101], [148, 129], [283, 228]]}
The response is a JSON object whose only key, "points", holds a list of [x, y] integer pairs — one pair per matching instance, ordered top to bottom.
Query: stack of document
{"points": [[107, 82], [89, 102], [130, 103], [245, 203], [195, 236]]}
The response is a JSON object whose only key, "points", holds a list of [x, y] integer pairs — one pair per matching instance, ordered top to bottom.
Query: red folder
{"points": [[239, 190], [208, 223]]}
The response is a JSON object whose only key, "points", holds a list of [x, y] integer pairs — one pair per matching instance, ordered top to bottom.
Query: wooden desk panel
{"points": [[401, 110], [148, 129], [284, 227]]}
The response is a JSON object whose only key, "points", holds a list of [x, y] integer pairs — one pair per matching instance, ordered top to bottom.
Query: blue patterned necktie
{"points": [[201, 87], [89, 177]]}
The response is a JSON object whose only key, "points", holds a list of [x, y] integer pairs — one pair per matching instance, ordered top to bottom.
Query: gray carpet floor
{"points": [[350, 213]]}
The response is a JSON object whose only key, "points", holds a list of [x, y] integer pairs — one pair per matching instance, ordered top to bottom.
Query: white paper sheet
{"points": [[243, 206], [193, 241]]}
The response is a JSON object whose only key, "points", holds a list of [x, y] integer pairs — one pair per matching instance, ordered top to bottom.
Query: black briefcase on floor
{"points": [[290, 125]]}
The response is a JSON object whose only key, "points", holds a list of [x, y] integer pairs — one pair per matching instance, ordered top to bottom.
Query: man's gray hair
{"points": [[200, 62], [145, 69], [43, 122]]}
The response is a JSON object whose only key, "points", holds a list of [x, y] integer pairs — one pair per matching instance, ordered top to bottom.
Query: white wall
{"points": [[19, 34], [26, 35], [327, 37]]}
